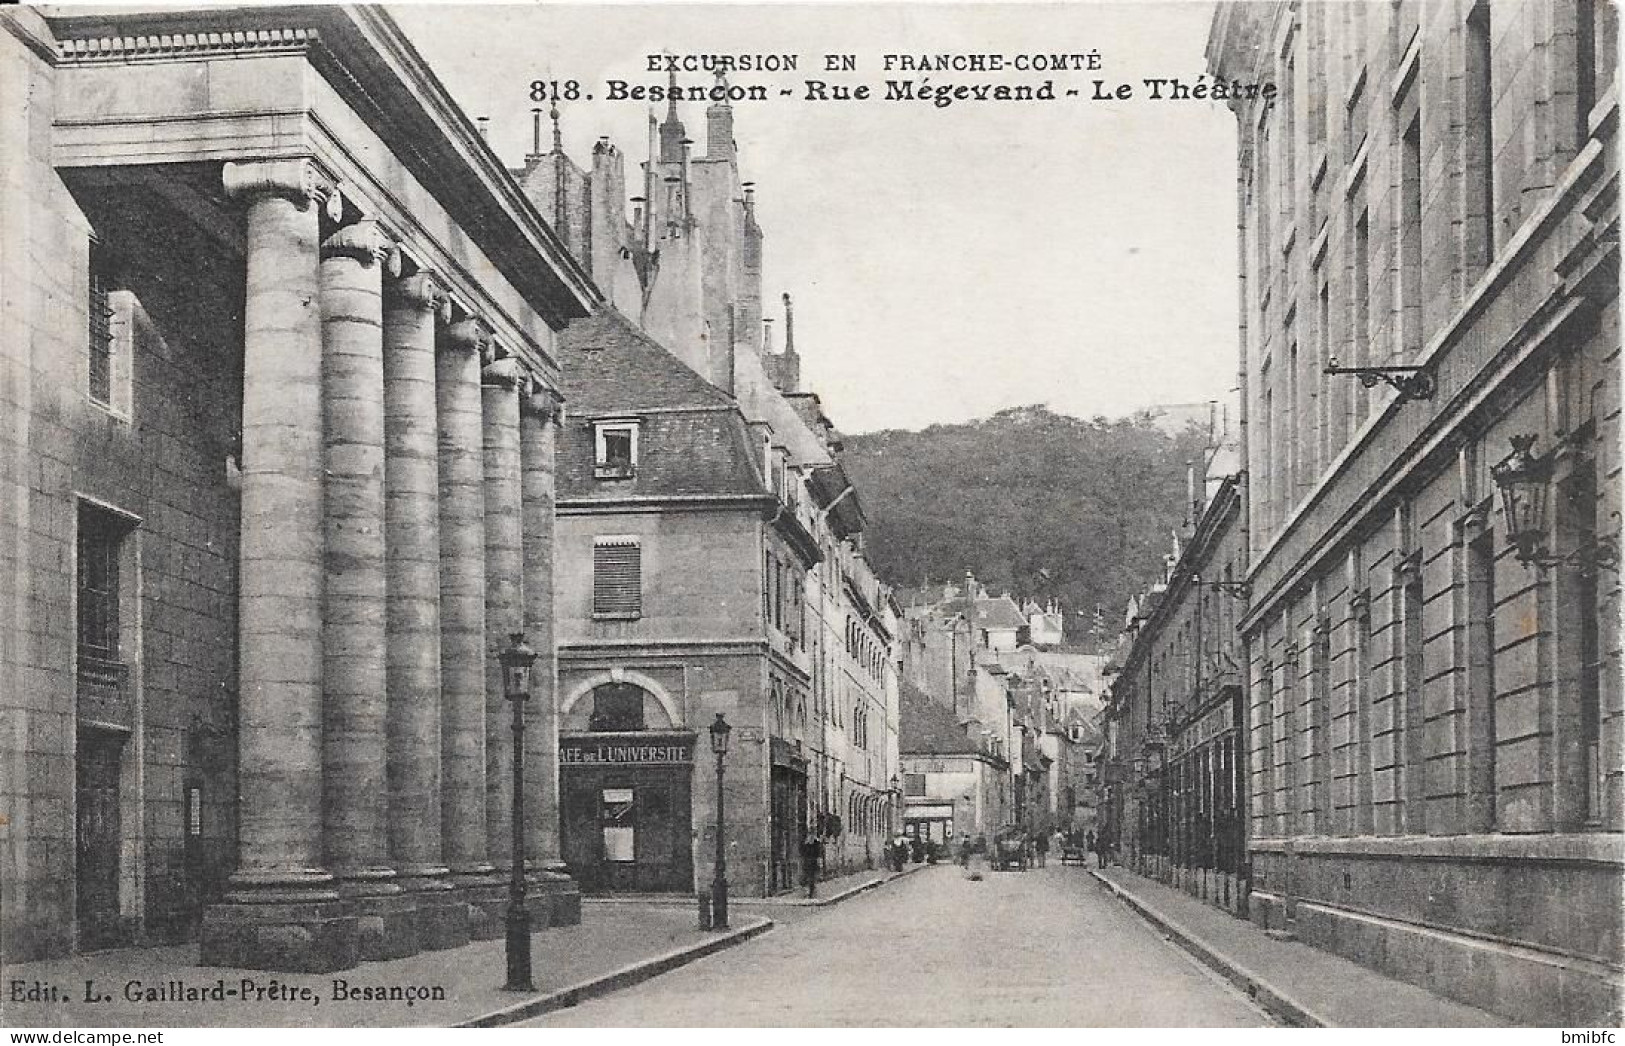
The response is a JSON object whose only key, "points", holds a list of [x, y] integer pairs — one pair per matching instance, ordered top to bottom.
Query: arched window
{"points": [[617, 707]]}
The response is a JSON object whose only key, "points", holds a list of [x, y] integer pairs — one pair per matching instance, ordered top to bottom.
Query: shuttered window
{"points": [[617, 577]]}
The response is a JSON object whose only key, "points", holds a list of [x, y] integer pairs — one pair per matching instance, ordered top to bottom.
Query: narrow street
{"points": [[1045, 947]]}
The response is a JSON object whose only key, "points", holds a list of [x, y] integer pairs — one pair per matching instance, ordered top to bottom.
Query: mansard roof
{"points": [[692, 439], [927, 728]]}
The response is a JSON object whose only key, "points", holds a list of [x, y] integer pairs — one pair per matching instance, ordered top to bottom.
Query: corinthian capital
{"points": [[298, 179]]}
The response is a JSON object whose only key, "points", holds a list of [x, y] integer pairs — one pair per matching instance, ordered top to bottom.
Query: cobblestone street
{"points": [[1045, 947]]}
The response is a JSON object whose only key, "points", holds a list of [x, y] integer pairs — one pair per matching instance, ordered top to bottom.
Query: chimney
{"points": [[719, 125], [485, 128], [536, 131], [789, 327], [767, 335]]}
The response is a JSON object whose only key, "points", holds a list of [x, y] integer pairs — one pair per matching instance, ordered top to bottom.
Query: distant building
{"points": [[1434, 712], [955, 782]]}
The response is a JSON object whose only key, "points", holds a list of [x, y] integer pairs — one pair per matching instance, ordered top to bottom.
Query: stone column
{"points": [[538, 436], [412, 537], [504, 611], [462, 626], [354, 739], [281, 910]]}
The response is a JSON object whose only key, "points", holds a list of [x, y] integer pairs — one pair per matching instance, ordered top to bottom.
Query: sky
{"points": [[945, 263]]}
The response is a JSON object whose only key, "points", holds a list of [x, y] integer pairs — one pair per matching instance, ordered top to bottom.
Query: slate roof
{"points": [[692, 440], [926, 728]]}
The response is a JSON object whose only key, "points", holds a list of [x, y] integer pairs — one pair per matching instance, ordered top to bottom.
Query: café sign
{"points": [[604, 751]]}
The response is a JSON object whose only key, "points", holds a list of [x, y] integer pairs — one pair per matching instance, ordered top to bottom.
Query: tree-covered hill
{"points": [[1045, 505]]}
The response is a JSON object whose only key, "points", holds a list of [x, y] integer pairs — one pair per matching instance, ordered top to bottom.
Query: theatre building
{"points": [[279, 388]]}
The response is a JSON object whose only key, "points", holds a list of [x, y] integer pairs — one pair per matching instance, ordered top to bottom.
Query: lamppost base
{"points": [[719, 904], [518, 950]]}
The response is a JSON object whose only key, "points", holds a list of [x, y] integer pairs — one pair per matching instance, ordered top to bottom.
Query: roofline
{"points": [[364, 55]]}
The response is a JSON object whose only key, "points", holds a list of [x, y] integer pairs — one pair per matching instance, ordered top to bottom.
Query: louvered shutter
{"points": [[617, 577]]}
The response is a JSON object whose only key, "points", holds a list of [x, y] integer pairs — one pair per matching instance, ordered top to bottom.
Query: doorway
{"points": [[97, 838]]}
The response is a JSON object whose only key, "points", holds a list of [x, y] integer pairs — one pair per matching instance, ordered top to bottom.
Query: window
{"points": [[1596, 44], [1358, 115], [1479, 180], [1410, 240], [101, 326], [615, 449], [100, 535], [617, 577], [617, 707], [914, 784]]}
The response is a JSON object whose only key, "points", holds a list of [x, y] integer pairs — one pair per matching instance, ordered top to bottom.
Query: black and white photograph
{"points": [[889, 515]]}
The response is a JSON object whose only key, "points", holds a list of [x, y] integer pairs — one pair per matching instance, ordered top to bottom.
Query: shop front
{"points": [[625, 810], [929, 823], [1206, 824]]}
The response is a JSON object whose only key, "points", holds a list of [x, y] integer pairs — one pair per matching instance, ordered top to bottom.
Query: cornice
{"points": [[170, 47]]}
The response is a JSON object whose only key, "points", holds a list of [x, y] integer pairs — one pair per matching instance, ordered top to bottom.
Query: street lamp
{"points": [[1524, 483], [516, 661], [897, 806], [719, 879]]}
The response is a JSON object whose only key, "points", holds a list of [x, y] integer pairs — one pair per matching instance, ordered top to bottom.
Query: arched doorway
{"points": [[625, 771]]}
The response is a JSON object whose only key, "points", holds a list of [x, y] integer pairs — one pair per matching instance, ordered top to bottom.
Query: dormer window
{"points": [[615, 449]]}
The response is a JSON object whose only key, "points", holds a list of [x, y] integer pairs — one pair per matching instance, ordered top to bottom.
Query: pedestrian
{"points": [[1041, 844], [918, 849], [964, 852], [812, 857]]}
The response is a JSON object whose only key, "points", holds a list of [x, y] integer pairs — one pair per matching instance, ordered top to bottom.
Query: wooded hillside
{"points": [[1041, 504]]}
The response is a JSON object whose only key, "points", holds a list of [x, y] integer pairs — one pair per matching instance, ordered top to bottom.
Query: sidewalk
{"points": [[830, 891], [613, 948], [1298, 984]]}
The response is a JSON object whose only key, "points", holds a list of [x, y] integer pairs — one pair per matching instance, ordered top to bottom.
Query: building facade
{"points": [[280, 386], [707, 485], [1433, 701], [1177, 709]]}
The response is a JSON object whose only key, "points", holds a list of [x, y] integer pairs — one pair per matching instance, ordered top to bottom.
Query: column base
{"points": [[562, 894], [485, 897], [441, 916], [386, 925], [285, 936]]}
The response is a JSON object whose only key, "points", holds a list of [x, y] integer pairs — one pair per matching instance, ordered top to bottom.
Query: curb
{"points": [[837, 898], [615, 980], [1276, 1002]]}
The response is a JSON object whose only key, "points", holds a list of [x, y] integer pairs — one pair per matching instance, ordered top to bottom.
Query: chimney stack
{"points": [[485, 128], [536, 131]]}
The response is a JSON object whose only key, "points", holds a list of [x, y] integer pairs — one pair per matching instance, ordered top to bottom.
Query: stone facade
{"points": [[229, 676], [1435, 725], [1176, 806]]}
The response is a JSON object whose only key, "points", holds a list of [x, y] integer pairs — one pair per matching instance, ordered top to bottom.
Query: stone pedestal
{"points": [[485, 900], [305, 937]]}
